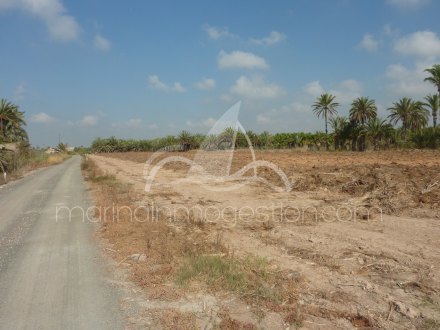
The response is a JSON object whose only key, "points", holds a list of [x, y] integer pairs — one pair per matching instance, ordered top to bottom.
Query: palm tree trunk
{"points": [[434, 114], [326, 131], [361, 143]]}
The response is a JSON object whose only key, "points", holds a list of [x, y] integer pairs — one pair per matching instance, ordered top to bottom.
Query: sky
{"points": [[142, 69]]}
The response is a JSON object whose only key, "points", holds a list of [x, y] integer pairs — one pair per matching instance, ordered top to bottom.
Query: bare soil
{"points": [[355, 244]]}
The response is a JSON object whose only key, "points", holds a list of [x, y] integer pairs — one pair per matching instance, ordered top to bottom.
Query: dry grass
{"points": [[56, 159], [32, 162], [397, 182], [184, 258], [173, 319]]}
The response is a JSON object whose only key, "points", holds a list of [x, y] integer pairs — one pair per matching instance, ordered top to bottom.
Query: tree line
{"points": [[363, 124], [362, 129]]}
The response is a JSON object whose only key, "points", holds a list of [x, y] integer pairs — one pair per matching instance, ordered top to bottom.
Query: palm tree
{"points": [[434, 77], [432, 101], [325, 106], [362, 110], [410, 113], [418, 117], [11, 122], [339, 125], [377, 130], [228, 137], [253, 137], [265, 139], [186, 140], [315, 140], [210, 142]]}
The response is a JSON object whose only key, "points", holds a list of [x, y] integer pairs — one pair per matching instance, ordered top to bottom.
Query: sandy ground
{"points": [[362, 230]]}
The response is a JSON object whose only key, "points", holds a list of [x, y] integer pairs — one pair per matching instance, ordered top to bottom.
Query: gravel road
{"points": [[52, 275]]}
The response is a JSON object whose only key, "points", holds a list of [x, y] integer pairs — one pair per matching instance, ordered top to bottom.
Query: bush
{"points": [[426, 138]]}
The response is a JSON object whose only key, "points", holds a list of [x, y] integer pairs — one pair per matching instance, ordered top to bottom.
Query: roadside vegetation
{"points": [[16, 154], [168, 260]]}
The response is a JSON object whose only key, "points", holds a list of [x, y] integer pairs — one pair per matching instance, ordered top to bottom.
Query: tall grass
{"points": [[18, 163], [248, 277]]}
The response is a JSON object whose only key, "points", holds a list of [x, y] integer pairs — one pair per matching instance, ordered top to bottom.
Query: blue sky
{"points": [[141, 69]]}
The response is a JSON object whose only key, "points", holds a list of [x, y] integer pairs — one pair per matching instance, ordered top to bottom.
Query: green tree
{"points": [[434, 78], [432, 102], [326, 107], [363, 109], [410, 113], [12, 122], [339, 126], [377, 130], [228, 138], [265, 139], [186, 140]]}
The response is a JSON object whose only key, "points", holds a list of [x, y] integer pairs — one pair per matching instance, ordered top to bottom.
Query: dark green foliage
{"points": [[426, 138]]}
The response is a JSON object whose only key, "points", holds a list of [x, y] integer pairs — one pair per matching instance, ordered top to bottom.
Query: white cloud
{"points": [[408, 4], [60, 25], [216, 33], [273, 38], [102, 43], [369, 43], [423, 44], [239, 59], [408, 82], [155, 83], [206, 84], [177, 87], [256, 88], [314, 88], [20, 91], [346, 91], [294, 107], [283, 113], [298, 115], [42, 117], [263, 119], [89, 120], [135, 122], [204, 123], [153, 126]]}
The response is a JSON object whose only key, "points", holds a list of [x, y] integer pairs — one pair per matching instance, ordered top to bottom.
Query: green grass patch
{"points": [[247, 277]]}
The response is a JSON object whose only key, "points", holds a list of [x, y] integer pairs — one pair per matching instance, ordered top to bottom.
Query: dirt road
{"points": [[51, 275]]}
